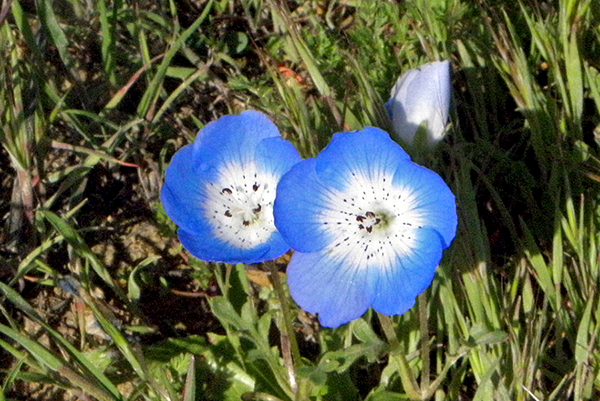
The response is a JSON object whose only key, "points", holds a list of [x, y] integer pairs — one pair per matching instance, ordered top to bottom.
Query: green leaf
{"points": [[50, 23], [108, 40], [242, 42], [574, 76], [153, 89], [81, 248], [535, 258], [133, 289], [24, 307], [225, 312], [364, 332], [489, 337], [582, 348], [35, 349], [164, 351], [345, 358], [58, 365], [485, 388], [189, 390], [384, 395]]}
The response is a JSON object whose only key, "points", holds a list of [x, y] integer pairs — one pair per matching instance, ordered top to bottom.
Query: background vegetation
{"points": [[99, 301]]}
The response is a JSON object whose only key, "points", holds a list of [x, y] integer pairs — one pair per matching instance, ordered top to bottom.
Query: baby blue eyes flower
{"points": [[421, 95], [220, 189], [368, 226]]}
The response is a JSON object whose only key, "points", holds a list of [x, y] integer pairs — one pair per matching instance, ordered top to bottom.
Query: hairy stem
{"points": [[289, 345], [411, 387]]}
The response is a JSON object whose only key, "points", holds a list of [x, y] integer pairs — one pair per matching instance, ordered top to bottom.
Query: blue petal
{"points": [[233, 137], [231, 140], [369, 152], [276, 155], [182, 193], [301, 197], [434, 202], [207, 247], [277, 247], [399, 285], [335, 289]]}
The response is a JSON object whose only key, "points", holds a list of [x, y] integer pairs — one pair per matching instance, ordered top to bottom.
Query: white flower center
{"points": [[239, 205], [371, 222]]}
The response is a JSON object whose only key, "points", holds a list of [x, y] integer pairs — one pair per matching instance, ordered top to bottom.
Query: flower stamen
{"points": [[246, 202], [370, 220]]}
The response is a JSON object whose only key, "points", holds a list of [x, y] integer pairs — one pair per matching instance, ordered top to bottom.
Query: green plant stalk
{"points": [[424, 329], [289, 345], [411, 387], [258, 396]]}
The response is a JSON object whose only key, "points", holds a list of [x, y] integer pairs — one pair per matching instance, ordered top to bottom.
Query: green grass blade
{"points": [[281, 14], [50, 23], [25, 28], [108, 41], [201, 73], [575, 79], [153, 89], [116, 99], [91, 152], [81, 248], [536, 260], [23, 306], [582, 349], [36, 350], [21, 356], [133, 356], [57, 364], [10, 378], [189, 391]]}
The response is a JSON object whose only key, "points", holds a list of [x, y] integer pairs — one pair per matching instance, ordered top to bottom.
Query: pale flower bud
{"points": [[421, 97]]}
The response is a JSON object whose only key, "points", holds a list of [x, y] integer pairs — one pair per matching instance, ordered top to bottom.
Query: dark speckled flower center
{"points": [[240, 205], [372, 220]]}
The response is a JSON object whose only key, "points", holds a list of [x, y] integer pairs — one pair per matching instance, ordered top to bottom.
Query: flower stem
{"points": [[424, 328], [389, 331], [289, 345], [411, 387]]}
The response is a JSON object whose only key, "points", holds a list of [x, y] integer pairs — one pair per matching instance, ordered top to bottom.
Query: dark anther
{"points": [[255, 187], [226, 191], [257, 209], [228, 213], [370, 215], [360, 218], [377, 221], [246, 223], [361, 227], [369, 229]]}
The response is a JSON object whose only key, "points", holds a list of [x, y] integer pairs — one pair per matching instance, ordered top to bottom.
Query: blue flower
{"points": [[421, 96], [220, 189], [368, 226]]}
